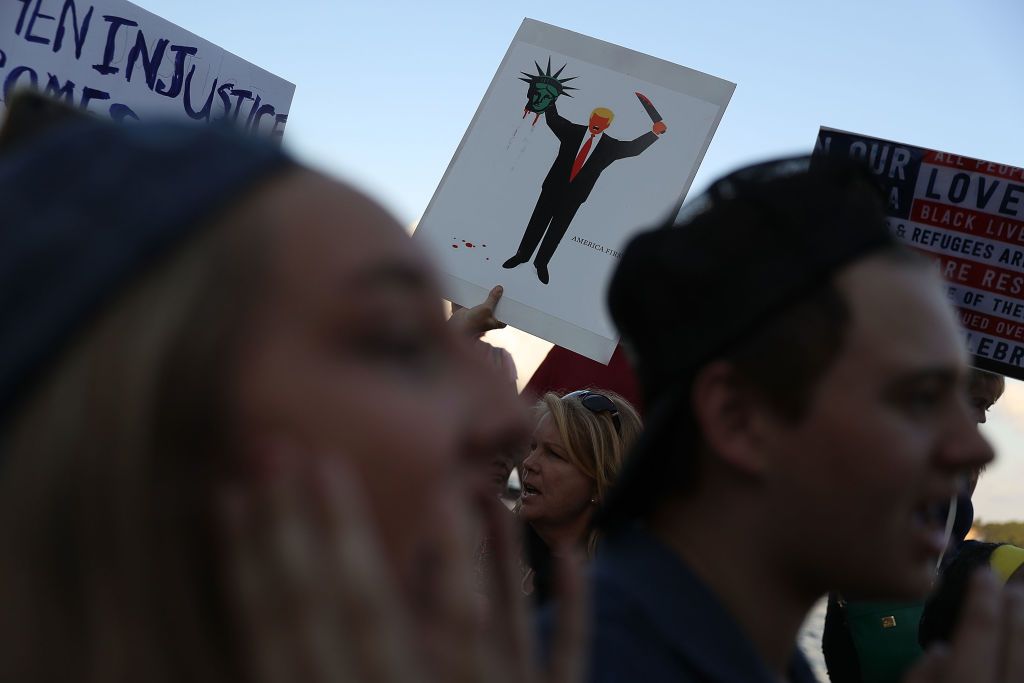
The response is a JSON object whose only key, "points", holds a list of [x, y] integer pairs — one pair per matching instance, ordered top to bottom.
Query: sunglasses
{"points": [[597, 403]]}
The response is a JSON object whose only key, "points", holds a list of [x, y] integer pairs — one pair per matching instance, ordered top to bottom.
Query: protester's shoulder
{"points": [[618, 590], [613, 602], [616, 614], [626, 643], [625, 648]]}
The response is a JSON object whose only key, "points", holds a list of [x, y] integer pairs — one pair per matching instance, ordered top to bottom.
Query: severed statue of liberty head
{"points": [[545, 88]]}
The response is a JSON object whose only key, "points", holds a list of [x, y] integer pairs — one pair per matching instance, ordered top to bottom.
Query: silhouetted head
{"points": [[757, 405]]}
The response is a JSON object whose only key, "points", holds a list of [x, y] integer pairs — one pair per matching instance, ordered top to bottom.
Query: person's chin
{"points": [[529, 508]]}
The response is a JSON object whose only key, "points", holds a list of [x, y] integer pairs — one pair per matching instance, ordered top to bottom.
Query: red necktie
{"points": [[581, 157]]}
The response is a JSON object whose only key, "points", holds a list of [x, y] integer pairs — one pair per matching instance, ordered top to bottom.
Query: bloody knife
{"points": [[649, 106]]}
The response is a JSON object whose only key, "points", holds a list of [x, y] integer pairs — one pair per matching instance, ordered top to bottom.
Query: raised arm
{"points": [[558, 125], [631, 148]]}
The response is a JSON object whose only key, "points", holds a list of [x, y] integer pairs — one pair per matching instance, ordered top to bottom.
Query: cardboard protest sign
{"points": [[116, 59], [576, 145], [968, 215]]}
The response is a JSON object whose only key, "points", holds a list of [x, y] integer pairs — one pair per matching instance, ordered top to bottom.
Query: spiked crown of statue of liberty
{"points": [[544, 89]]}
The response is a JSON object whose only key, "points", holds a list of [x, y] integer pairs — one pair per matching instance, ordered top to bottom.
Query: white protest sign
{"points": [[116, 59], [576, 146], [968, 215]]}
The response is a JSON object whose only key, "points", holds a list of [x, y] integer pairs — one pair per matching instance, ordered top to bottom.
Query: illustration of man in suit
{"points": [[583, 153]]}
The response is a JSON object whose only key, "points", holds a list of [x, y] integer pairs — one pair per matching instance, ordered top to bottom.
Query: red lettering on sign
{"points": [[974, 165], [978, 275], [991, 325]]}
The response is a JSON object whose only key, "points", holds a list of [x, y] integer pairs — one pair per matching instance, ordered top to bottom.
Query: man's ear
{"points": [[730, 417]]}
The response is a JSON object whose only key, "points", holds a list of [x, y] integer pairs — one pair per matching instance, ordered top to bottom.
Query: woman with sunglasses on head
{"points": [[579, 443]]}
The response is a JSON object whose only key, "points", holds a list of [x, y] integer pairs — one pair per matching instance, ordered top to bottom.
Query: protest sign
{"points": [[115, 59], [576, 145], [967, 214]]}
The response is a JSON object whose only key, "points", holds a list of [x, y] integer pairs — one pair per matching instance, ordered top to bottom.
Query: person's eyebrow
{"points": [[391, 275]]}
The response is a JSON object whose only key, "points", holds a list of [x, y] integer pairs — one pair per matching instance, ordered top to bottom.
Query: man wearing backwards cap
{"points": [[805, 382]]}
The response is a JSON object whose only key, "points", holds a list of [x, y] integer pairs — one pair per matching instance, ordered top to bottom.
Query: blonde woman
{"points": [[578, 446]]}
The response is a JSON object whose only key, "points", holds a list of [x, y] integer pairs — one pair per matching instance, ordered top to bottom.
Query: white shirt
{"points": [[593, 145]]}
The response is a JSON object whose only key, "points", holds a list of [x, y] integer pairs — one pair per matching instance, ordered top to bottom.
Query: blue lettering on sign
{"points": [[37, 13], [21, 17], [72, 25], [80, 31], [108, 52], [181, 52], [150, 62], [16, 73], [56, 90], [223, 91], [90, 94], [242, 96], [265, 110], [120, 112], [252, 112], [203, 113], [279, 120], [958, 188], [929, 191], [1014, 193]]}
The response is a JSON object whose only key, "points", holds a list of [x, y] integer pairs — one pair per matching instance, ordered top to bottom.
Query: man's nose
{"points": [[964, 447]]}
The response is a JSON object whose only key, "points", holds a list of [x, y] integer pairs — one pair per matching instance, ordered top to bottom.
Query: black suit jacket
{"points": [[570, 136]]}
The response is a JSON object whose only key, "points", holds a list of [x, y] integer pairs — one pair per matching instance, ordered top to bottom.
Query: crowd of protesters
{"points": [[239, 441]]}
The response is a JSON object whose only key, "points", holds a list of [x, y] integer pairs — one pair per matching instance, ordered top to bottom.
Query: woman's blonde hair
{"points": [[592, 442], [109, 475]]}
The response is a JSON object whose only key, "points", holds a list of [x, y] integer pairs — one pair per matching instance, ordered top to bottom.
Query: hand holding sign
{"points": [[479, 319]]}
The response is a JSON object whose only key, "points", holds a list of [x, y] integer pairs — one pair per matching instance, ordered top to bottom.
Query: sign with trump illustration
{"points": [[577, 145]]}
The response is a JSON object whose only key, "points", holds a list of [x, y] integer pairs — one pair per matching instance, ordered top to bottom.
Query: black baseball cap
{"points": [[758, 242]]}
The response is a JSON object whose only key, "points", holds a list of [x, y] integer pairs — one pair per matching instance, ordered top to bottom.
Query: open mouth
{"points": [[530, 490]]}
